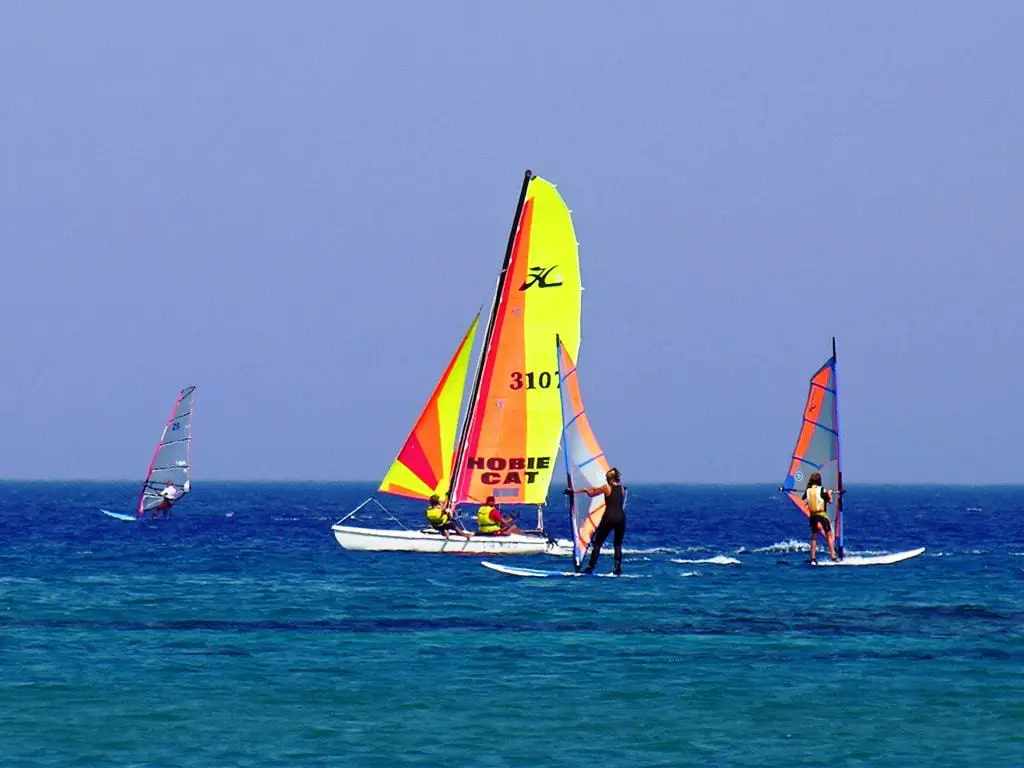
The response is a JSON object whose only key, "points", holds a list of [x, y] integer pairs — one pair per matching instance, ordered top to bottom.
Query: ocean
{"points": [[238, 633]]}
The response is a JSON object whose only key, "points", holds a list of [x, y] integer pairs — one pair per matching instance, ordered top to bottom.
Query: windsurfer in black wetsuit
{"points": [[614, 518]]}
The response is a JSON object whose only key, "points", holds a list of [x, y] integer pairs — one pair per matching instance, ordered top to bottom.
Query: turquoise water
{"points": [[254, 640]]}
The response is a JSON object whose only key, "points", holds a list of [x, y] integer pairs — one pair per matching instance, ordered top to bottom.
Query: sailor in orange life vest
{"points": [[818, 499], [614, 518], [441, 520], [490, 521]]}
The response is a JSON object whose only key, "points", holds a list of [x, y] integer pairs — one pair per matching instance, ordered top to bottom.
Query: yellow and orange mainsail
{"points": [[511, 436], [423, 466]]}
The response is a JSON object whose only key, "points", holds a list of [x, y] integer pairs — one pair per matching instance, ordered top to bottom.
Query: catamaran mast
{"points": [[475, 392], [839, 464]]}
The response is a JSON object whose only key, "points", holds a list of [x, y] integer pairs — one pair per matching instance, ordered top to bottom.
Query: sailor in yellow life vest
{"points": [[818, 499], [441, 520], [490, 521]]}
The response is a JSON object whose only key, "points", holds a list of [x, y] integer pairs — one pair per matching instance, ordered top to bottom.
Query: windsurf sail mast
{"points": [[510, 437], [817, 443], [172, 459], [585, 462]]}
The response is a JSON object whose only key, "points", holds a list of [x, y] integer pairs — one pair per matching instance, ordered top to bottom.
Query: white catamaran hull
{"points": [[360, 539]]}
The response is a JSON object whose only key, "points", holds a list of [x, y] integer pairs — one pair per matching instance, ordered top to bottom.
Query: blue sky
{"points": [[299, 206]]}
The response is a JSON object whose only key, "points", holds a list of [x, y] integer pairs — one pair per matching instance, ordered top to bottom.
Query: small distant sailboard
{"points": [[817, 450], [172, 460], [585, 466], [119, 516]]}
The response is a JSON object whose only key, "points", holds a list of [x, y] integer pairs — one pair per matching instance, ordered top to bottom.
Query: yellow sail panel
{"points": [[513, 436], [423, 466]]}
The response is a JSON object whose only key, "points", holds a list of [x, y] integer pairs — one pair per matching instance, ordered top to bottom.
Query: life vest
{"points": [[815, 500], [436, 516], [484, 523]]}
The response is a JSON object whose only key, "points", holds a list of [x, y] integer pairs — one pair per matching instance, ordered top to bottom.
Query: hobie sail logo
{"points": [[539, 277], [502, 471]]}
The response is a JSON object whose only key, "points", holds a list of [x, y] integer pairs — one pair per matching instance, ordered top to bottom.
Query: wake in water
{"points": [[790, 545], [716, 560]]}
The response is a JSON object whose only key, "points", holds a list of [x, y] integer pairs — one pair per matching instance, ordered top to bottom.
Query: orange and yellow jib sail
{"points": [[511, 436], [585, 462], [423, 466]]}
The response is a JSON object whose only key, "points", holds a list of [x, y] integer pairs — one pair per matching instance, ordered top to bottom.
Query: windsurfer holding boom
{"points": [[168, 495], [818, 499], [614, 518]]}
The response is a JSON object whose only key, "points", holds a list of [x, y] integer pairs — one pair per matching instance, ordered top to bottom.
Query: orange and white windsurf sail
{"points": [[511, 434], [817, 445], [585, 462], [423, 466]]}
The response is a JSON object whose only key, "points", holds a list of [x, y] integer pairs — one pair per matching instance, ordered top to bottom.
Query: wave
{"points": [[790, 545], [651, 551], [716, 560], [686, 574]]}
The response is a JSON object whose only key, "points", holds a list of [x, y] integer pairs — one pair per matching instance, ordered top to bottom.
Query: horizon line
{"points": [[707, 483]]}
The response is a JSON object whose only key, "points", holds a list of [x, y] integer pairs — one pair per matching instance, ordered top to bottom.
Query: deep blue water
{"points": [[254, 640]]}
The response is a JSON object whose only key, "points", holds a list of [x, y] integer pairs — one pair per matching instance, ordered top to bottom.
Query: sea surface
{"points": [[238, 633]]}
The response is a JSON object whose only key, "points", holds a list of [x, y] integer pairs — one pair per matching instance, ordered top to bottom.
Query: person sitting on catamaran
{"points": [[168, 495], [818, 499], [614, 518], [441, 520], [490, 521]]}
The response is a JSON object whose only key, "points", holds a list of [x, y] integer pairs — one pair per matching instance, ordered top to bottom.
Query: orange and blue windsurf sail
{"points": [[510, 438], [817, 445], [172, 459], [585, 462], [423, 466]]}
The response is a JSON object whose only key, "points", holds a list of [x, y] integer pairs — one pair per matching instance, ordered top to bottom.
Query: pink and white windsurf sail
{"points": [[172, 461], [585, 462]]}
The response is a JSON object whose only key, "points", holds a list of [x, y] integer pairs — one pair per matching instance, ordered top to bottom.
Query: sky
{"points": [[298, 207]]}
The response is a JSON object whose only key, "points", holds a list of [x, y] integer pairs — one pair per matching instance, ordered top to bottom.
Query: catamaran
{"points": [[508, 441], [817, 450], [171, 462], [585, 467]]}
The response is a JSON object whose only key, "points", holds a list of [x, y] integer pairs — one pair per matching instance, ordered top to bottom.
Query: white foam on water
{"points": [[790, 545], [716, 560]]}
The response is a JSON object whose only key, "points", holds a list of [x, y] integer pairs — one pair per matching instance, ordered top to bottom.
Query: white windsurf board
{"points": [[853, 561]]}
